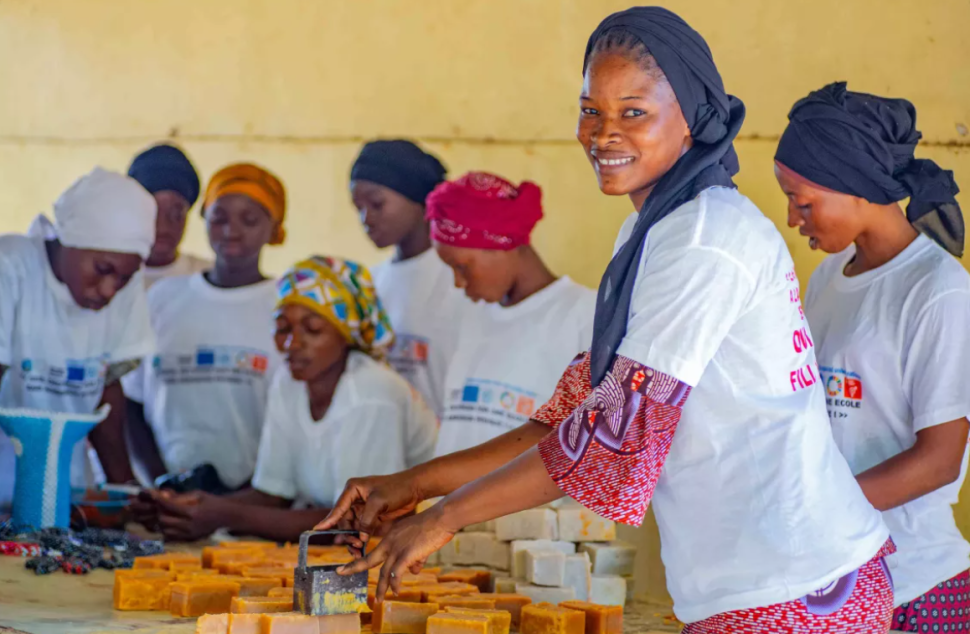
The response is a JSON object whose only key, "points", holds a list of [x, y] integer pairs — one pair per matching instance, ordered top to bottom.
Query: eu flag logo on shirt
{"points": [[205, 357], [75, 373], [470, 394]]}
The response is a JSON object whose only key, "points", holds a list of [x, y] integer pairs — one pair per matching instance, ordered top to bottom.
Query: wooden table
{"points": [[81, 604]]}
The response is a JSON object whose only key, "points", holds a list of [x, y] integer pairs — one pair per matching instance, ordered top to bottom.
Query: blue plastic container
{"points": [[44, 445]]}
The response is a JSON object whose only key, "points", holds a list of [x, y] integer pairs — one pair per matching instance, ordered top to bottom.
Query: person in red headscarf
{"points": [[512, 352]]}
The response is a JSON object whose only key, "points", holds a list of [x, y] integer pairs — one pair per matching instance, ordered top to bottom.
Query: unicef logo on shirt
{"points": [[26, 365]]}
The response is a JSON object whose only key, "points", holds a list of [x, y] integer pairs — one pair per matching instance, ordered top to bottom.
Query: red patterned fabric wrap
{"points": [[483, 211], [611, 443], [859, 603], [945, 608]]}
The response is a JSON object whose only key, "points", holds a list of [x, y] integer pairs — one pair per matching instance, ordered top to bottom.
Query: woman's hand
{"points": [[368, 503], [192, 516], [405, 548]]}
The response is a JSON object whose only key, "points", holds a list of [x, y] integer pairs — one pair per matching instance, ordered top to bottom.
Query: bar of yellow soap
{"points": [[249, 544], [164, 561], [431, 571], [274, 572], [189, 575], [482, 579], [251, 586], [141, 589], [280, 592], [429, 593], [408, 595], [195, 598], [467, 601], [511, 603], [259, 605], [400, 617], [546, 618], [600, 619], [499, 621], [245, 623], [293, 623], [456, 623], [212, 624], [339, 624]]}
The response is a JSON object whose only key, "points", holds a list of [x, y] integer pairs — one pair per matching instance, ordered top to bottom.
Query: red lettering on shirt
{"points": [[801, 340], [803, 377]]}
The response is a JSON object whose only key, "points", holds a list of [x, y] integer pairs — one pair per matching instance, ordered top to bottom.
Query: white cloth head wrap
{"points": [[102, 211]]}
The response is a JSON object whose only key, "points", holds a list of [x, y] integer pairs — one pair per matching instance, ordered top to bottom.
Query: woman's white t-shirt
{"points": [[184, 264], [426, 312], [893, 346], [57, 353], [509, 360], [204, 390], [377, 424], [755, 504]]}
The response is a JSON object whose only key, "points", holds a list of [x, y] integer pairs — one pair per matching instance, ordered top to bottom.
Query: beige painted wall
{"points": [[487, 84]]}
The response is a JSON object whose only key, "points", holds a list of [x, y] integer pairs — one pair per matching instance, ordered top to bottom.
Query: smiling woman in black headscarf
{"points": [[890, 311], [700, 392]]}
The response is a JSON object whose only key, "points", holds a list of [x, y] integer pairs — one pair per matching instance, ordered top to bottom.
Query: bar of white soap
{"points": [[531, 524], [583, 525], [520, 546], [476, 549], [615, 558], [545, 568], [577, 575], [503, 585], [630, 588], [607, 590], [541, 594]]}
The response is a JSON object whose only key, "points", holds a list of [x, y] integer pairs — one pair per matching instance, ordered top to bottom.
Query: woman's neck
{"points": [[890, 234], [414, 243], [234, 274], [533, 276], [322, 387]]}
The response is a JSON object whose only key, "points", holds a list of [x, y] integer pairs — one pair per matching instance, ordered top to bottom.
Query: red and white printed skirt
{"points": [[945, 608]]}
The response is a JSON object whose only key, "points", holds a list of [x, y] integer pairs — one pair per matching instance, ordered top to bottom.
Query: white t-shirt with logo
{"points": [[184, 264], [426, 312], [893, 346], [57, 353], [509, 360], [204, 390], [377, 424], [755, 504]]}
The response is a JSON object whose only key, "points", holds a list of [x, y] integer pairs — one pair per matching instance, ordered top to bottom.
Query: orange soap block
{"points": [[249, 544], [222, 556], [164, 561], [184, 566], [431, 571], [274, 572], [189, 575], [480, 578], [250, 586], [141, 589], [280, 592], [430, 592], [408, 595], [195, 598], [467, 601], [511, 603], [259, 605], [399, 617], [546, 618], [600, 619], [499, 621], [245, 623], [293, 623], [455, 623], [212, 624], [339, 624]]}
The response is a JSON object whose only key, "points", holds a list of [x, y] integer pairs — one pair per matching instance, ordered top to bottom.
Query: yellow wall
{"points": [[488, 84]]}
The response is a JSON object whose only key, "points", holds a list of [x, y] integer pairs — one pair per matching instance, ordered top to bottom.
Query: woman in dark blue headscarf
{"points": [[890, 311], [700, 392]]}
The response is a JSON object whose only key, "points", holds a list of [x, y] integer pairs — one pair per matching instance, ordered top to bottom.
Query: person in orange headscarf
{"points": [[200, 399]]}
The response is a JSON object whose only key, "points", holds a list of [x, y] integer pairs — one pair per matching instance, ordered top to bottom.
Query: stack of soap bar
{"points": [[531, 524], [582, 525], [519, 547], [475, 549], [615, 558], [164, 561], [545, 567], [281, 573], [189, 575], [577, 575], [422, 579], [481, 579], [251, 586], [144, 589], [608, 590], [281, 592], [429, 593], [542, 594], [406, 595], [195, 598], [468, 601], [511, 603], [259, 605], [395, 617], [546, 618], [600, 619], [499, 621], [292, 623], [456, 623], [212, 624]]}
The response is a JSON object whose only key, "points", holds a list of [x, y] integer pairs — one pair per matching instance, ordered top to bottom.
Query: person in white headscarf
{"points": [[71, 320]]}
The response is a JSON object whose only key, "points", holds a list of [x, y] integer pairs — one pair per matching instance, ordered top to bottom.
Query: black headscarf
{"points": [[714, 118], [862, 145], [399, 165], [165, 167]]}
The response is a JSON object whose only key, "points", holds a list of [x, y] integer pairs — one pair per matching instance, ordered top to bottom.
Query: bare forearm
{"points": [[108, 438], [444, 475], [521, 484], [275, 524]]}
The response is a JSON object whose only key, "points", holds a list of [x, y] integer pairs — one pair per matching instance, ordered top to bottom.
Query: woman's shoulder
{"points": [[20, 251], [934, 273], [370, 381]]}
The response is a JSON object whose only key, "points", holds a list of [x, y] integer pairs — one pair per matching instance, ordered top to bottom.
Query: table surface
{"points": [[81, 604]]}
